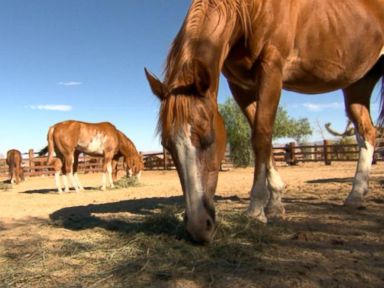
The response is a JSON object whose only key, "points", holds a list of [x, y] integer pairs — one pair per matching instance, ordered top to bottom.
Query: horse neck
{"points": [[127, 149]]}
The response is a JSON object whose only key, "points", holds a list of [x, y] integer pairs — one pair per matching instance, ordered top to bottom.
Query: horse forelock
{"points": [[178, 111]]}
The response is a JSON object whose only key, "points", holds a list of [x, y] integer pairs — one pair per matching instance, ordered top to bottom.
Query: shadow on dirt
{"points": [[330, 180], [379, 180], [53, 191], [155, 215]]}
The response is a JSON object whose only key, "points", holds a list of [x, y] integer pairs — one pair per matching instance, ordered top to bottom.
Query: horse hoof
{"points": [[353, 202], [276, 211], [258, 215]]}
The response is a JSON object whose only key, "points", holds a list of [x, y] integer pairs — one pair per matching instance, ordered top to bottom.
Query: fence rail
{"points": [[290, 153]]}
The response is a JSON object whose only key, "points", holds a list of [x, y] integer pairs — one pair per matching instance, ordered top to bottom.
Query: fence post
{"points": [[327, 153], [30, 160]]}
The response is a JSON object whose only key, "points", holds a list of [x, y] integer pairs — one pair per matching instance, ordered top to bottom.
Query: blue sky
{"points": [[84, 60]]}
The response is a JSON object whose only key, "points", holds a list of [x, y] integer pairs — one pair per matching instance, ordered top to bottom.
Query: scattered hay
{"points": [[126, 182]]}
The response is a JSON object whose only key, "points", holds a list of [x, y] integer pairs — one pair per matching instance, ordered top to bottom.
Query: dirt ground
{"points": [[318, 244]]}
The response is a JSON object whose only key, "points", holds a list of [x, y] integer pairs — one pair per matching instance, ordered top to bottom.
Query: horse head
{"points": [[192, 130], [134, 165]]}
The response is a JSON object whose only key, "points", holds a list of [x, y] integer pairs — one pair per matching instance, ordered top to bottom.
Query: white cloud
{"points": [[70, 83], [315, 107], [63, 108]]}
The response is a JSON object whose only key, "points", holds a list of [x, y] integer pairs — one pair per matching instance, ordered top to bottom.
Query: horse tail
{"points": [[380, 121], [51, 145], [43, 151]]}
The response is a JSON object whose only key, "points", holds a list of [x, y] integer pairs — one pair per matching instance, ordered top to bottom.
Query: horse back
{"points": [[90, 138]]}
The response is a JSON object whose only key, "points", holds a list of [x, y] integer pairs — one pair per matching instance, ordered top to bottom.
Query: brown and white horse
{"points": [[263, 46], [69, 139], [14, 161], [133, 161]]}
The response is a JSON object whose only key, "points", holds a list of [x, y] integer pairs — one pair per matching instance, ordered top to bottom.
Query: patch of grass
{"points": [[126, 182]]}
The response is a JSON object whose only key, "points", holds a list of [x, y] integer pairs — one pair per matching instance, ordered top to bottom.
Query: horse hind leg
{"points": [[357, 98], [69, 171], [75, 174]]}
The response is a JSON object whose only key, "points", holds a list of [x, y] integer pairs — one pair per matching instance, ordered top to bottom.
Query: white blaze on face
{"points": [[96, 145], [187, 156]]}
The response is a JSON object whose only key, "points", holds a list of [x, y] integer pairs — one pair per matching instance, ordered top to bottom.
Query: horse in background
{"points": [[262, 47], [70, 138], [133, 160], [14, 161]]}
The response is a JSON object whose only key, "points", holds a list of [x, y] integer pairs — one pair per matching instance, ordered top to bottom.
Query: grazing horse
{"points": [[261, 47], [69, 139], [14, 161], [133, 162]]}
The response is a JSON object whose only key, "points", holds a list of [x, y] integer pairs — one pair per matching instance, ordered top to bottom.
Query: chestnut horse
{"points": [[263, 46], [69, 139], [14, 161], [133, 161]]}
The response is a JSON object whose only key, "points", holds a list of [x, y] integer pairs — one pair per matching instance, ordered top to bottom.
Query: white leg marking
{"points": [[109, 171], [76, 176], [138, 176], [274, 180], [65, 181], [103, 181], [58, 182], [73, 182], [360, 182], [276, 186], [259, 196]]}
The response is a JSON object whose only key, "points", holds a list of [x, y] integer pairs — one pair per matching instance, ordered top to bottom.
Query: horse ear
{"points": [[202, 77], [157, 87]]}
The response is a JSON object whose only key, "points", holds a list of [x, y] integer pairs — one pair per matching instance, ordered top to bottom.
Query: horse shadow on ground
{"points": [[330, 180], [379, 180], [53, 191], [157, 215]]}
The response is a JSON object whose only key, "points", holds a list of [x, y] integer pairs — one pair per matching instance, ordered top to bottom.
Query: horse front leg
{"points": [[107, 172], [267, 185]]}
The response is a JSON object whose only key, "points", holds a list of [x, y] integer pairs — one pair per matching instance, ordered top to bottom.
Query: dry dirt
{"points": [[318, 244]]}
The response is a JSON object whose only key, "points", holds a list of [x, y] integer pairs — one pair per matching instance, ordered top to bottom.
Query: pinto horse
{"points": [[261, 47], [69, 139], [14, 161], [133, 161]]}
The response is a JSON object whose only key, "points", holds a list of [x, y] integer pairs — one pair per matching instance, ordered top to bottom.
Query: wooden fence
{"points": [[290, 153]]}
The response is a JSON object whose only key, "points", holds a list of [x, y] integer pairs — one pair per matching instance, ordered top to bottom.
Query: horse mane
{"points": [[184, 52], [181, 55], [128, 144]]}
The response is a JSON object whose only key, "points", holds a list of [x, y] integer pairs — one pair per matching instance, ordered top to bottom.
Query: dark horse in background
{"points": [[261, 47], [14, 161]]}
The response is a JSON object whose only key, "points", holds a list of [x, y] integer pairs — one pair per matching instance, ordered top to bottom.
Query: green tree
{"points": [[238, 130], [238, 133]]}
